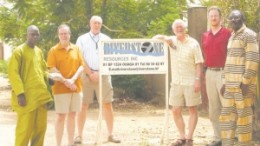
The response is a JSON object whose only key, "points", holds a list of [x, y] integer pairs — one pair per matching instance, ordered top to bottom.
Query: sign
{"points": [[133, 56]]}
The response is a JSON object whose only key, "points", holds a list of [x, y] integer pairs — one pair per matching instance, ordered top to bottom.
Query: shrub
{"points": [[129, 86]]}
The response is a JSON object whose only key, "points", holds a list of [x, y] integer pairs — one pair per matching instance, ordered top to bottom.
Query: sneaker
{"points": [[112, 139], [78, 140], [179, 142], [215, 143]]}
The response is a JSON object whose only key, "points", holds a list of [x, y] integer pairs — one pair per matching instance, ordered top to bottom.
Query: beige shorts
{"points": [[90, 89], [181, 95], [69, 102]]}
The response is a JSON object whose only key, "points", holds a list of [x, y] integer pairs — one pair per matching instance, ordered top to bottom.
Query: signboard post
{"points": [[133, 56]]}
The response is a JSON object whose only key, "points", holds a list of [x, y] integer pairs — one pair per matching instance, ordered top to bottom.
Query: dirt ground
{"points": [[136, 124]]}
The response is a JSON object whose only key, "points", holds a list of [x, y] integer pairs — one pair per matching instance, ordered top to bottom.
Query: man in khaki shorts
{"points": [[88, 43], [66, 64], [186, 69]]}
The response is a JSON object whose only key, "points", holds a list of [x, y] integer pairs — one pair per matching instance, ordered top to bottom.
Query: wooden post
{"points": [[197, 24]]}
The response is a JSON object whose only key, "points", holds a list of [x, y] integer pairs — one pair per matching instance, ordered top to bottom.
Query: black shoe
{"points": [[112, 139], [215, 143]]}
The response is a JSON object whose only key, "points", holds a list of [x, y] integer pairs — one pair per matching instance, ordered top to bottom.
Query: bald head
{"points": [[236, 19], [32, 28], [33, 34]]}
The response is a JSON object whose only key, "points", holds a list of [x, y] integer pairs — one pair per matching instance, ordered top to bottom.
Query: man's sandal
{"points": [[112, 139], [78, 140], [179, 142]]}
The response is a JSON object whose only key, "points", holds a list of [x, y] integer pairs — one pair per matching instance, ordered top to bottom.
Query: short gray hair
{"points": [[96, 18], [179, 21], [64, 26]]}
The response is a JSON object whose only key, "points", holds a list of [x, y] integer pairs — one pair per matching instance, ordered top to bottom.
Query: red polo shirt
{"points": [[215, 47]]}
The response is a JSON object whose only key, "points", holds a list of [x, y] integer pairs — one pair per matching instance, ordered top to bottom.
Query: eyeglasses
{"points": [[64, 34]]}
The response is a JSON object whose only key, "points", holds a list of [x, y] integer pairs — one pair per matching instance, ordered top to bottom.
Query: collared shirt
{"points": [[88, 44], [215, 47], [184, 58], [242, 58], [67, 62], [27, 72]]}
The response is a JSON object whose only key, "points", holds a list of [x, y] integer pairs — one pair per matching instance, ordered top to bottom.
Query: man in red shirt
{"points": [[214, 44]]}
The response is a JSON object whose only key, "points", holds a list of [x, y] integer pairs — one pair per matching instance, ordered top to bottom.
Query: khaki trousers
{"points": [[213, 86]]}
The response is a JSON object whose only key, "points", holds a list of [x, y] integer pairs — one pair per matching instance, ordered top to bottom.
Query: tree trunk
{"points": [[89, 9], [104, 11]]}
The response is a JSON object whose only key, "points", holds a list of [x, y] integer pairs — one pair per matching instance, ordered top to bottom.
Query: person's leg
{"points": [[213, 85], [88, 89], [107, 97], [176, 100], [192, 100], [109, 117], [81, 119], [227, 119], [178, 120], [244, 120], [192, 121], [24, 127], [71, 127], [59, 128], [38, 134]]}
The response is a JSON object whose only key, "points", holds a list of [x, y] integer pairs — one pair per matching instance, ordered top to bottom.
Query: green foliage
{"points": [[251, 8], [163, 14], [121, 19], [11, 27], [3, 67], [130, 86]]}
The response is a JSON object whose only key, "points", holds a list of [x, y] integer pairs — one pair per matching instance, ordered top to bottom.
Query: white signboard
{"points": [[130, 56], [133, 56]]}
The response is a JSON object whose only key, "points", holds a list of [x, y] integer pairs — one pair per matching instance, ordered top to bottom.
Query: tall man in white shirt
{"points": [[88, 44]]}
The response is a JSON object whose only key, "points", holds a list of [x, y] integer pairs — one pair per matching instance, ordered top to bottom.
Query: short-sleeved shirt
{"points": [[88, 44], [215, 47], [184, 57], [242, 58], [67, 62]]}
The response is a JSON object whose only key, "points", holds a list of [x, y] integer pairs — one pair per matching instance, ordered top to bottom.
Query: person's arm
{"points": [[159, 37], [167, 39], [251, 62], [198, 66], [15, 68], [55, 75], [76, 75], [93, 75], [197, 83]]}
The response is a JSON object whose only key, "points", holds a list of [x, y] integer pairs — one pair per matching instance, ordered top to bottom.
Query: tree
{"points": [[121, 19]]}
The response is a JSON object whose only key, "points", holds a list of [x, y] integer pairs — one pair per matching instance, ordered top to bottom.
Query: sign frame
{"points": [[148, 55]]}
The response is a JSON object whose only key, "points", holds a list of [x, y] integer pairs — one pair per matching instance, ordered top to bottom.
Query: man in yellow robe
{"points": [[27, 73]]}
